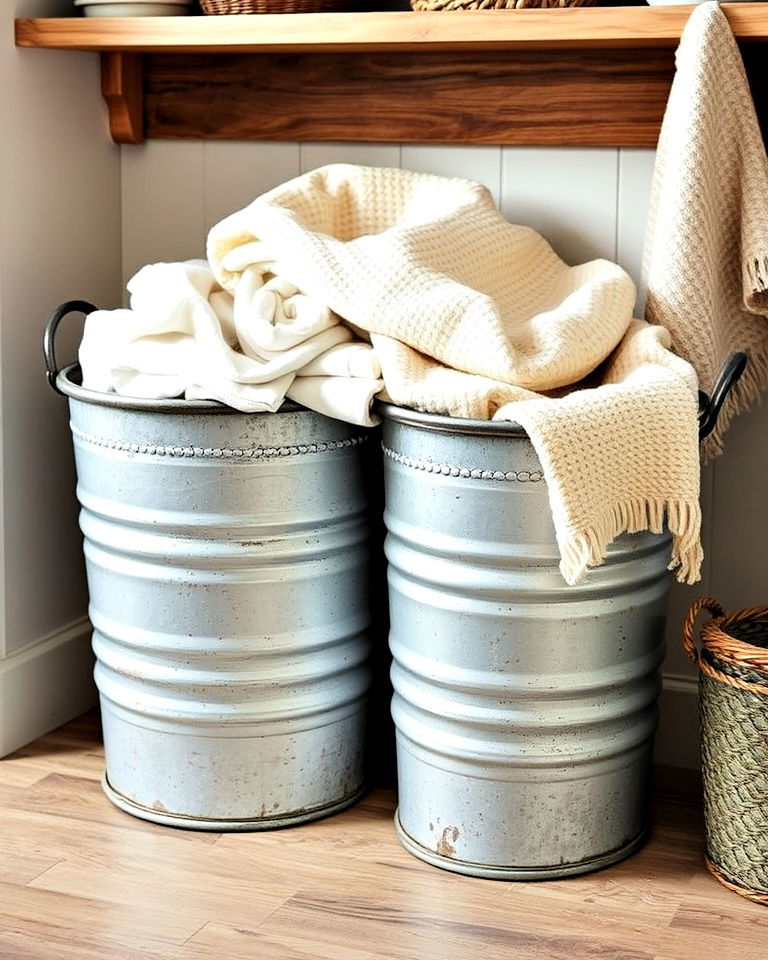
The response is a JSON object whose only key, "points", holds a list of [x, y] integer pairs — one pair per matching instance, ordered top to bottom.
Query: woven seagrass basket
{"points": [[496, 4], [276, 6], [733, 715]]}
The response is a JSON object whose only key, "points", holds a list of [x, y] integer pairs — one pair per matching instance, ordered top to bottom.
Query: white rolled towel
{"points": [[345, 360], [343, 398]]}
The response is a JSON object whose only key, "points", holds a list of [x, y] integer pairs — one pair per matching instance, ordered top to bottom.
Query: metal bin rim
{"points": [[68, 382]]}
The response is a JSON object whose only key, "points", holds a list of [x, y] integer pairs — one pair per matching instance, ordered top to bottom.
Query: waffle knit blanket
{"points": [[706, 254], [472, 316]]}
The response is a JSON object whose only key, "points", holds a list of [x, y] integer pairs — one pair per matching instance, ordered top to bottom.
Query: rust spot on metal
{"points": [[445, 845]]}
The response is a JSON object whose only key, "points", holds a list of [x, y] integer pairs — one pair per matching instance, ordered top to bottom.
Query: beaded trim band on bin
{"points": [[217, 453], [474, 473]]}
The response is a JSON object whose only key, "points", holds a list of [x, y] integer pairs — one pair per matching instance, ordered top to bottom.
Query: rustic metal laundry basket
{"points": [[227, 562], [524, 708], [733, 711]]}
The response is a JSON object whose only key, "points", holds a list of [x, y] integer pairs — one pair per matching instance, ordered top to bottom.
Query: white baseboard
{"points": [[45, 685], [677, 739]]}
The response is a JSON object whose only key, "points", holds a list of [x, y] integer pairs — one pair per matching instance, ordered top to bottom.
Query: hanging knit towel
{"points": [[706, 254]]}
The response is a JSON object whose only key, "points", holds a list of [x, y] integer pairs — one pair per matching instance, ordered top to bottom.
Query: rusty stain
{"points": [[445, 845]]}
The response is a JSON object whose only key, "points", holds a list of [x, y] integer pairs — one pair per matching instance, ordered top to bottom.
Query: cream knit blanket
{"points": [[706, 255], [472, 316]]}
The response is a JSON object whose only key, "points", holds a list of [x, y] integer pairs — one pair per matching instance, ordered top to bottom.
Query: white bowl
{"points": [[134, 8]]}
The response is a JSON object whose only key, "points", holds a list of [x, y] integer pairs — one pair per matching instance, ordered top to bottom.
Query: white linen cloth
{"points": [[706, 253], [472, 316], [185, 336]]}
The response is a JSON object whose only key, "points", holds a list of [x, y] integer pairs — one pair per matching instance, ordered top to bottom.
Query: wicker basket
{"points": [[496, 4], [276, 6], [733, 713]]}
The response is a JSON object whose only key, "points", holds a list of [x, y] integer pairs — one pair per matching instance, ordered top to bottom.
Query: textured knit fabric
{"points": [[706, 257], [431, 262], [474, 317]]}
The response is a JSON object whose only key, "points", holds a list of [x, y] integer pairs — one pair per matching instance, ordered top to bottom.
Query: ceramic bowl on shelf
{"points": [[134, 8]]}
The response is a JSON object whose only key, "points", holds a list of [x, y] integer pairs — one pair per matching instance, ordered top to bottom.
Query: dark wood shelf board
{"points": [[535, 97]]}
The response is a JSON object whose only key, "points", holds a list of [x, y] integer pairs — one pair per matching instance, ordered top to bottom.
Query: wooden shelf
{"points": [[584, 27], [578, 75]]}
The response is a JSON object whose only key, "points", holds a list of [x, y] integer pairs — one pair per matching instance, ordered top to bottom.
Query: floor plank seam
{"points": [[43, 872], [276, 910], [195, 933]]}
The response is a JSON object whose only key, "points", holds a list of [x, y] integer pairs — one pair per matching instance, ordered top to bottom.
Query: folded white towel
{"points": [[186, 336], [346, 360], [345, 398]]}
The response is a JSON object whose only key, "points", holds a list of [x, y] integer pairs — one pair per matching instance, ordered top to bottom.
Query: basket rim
{"points": [[719, 643]]}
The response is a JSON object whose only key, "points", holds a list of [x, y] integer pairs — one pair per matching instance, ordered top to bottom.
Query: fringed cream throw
{"points": [[706, 256], [472, 316]]}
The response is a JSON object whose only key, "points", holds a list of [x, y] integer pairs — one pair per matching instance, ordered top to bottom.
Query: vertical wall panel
{"points": [[366, 154], [475, 163], [236, 173], [635, 175], [568, 194], [163, 206], [59, 240]]}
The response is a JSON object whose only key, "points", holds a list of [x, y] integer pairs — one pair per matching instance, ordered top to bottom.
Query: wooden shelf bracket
{"points": [[122, 86]]}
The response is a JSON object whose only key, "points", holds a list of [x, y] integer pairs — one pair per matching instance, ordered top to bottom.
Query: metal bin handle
{"points": [[49, 337], [710, 406]]}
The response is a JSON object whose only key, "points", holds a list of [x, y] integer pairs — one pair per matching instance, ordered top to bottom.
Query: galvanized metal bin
{"points": [[227, 558], [525, 709]]}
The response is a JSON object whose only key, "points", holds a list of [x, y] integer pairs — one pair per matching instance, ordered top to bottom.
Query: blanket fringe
{"points": [[757, 271], [683, 520]]}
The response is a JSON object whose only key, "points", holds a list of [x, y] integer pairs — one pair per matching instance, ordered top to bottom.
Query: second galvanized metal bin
{"points": [[227, 559], [525, 709]]}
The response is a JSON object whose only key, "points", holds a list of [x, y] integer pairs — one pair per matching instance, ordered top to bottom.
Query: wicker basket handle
{"points": [[689, 644]]}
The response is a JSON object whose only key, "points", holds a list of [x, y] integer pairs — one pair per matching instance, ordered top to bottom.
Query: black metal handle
{"points": [[49, 337], [710, 406]]}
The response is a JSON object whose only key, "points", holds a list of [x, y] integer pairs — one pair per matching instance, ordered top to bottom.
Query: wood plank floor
{"points": [[80, 880]]}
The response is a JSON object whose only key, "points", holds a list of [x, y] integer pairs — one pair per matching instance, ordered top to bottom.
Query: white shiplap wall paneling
{"points": [[366, 154], [482, 164], [236, 173], [635, 176], [568, 194], [163, 203], [59, 240]]}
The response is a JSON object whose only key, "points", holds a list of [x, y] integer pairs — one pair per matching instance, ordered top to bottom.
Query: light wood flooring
{"points": [[80, 880]]}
